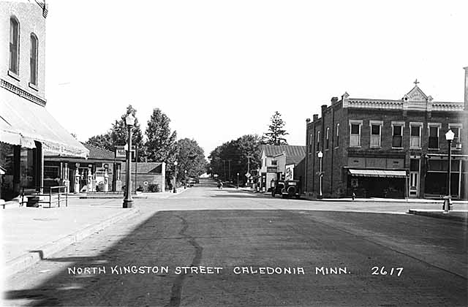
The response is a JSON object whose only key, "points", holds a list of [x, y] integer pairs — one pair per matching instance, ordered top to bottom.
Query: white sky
{"points": [[220, 69]]}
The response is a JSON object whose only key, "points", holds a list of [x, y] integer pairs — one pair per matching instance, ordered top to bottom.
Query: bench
{"points": [[56, 195]]}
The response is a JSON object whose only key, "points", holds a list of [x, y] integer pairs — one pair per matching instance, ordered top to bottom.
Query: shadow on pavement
{"points": [[138, 270]]}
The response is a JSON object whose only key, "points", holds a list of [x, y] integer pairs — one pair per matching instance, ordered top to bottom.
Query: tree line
{"points": [[157, 144], [240, 158]]}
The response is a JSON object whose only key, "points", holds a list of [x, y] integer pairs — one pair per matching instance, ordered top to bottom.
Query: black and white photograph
{"points": [[234, 153]]}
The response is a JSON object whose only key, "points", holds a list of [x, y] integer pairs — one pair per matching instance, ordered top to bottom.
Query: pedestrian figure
{"points": [[220, 184], [353, 196]]}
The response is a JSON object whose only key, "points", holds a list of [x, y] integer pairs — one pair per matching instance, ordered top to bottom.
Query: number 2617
{"points": [[384, 271]]}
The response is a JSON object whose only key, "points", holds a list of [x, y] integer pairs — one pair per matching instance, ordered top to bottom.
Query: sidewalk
{"points": [[31, 234]]}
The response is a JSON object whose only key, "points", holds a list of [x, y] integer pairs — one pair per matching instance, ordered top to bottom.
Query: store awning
{"points": [[22, 122], [377, 173]]}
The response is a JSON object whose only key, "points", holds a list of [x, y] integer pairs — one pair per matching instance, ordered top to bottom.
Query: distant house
{"points": [[281, 162], [147, 176]]}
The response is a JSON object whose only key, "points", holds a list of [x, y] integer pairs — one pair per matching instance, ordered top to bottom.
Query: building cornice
{"points": [[22, 93]]}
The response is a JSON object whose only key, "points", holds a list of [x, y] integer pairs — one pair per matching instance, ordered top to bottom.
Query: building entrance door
{"points": [[414, 184]]}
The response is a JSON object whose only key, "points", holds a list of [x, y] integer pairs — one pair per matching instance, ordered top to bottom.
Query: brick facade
{"points": [[398, 143]]}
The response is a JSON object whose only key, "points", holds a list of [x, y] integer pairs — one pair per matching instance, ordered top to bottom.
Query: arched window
{"points": [[14, 45], [33, 59]]}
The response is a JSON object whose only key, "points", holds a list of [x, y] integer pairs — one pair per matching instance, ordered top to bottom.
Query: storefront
{"points": [[27, 133], [437, 176], [376, 183]]}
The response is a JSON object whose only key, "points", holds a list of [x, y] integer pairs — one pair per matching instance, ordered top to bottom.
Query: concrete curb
{"points": [[441, 215], [23, 262]]}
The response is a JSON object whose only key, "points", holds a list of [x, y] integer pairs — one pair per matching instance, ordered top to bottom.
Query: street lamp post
{"points": [[320, 156], [185, 179], [237, 180], [174, 190], [447, 201], [128, 202]]}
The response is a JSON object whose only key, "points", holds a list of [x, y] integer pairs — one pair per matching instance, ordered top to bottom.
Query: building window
{"points": [[14, 45], [33, 63], [456, 129], [355, 134], [337, 135], [415, 135], [375, 137], [397, 137], [433, 137], [328, 139], [318, 141], [311, 143], [274, 162]]}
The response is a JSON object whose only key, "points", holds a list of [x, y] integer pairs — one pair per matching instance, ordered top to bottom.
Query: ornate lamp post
{"points": [[320, 156], [175, 177], [447, 201], [128, 202]]}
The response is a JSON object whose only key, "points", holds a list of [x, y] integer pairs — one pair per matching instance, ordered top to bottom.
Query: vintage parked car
{"points": [[191, 182], [287, 188]]}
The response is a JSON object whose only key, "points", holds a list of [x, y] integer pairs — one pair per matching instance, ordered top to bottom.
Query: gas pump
{"points": [[77, 178], [106, 178]]}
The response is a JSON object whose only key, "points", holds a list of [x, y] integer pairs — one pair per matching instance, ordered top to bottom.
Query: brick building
{"points": [[27, 130], [387, 148], [147, 176]]}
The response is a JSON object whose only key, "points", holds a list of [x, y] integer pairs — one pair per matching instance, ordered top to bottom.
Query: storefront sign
{"points": [[272, 169]]}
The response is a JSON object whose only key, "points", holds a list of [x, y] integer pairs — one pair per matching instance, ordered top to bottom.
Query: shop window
{"points": [[14, 46], [33, 62], [355, 135], [415, 136], [433, 137], [397, 138], [51, 172]]}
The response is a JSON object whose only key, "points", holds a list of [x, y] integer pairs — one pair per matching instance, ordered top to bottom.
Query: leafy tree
{"points": [[276, 131], [118, 135], [102, 141], [161, 143], [236, 156], [191, 158]]}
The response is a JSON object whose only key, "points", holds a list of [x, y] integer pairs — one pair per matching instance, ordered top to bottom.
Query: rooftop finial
{"points": [[416, 82]]}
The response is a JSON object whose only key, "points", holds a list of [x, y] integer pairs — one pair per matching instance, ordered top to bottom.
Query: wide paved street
{"points": [[211, 247]]}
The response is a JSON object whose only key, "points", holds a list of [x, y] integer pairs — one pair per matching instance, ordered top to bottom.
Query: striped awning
{"points": [[23, 122], [377, 173]]}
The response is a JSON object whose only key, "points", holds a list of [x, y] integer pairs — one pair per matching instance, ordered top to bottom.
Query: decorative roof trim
{"points": [[22, 93]]}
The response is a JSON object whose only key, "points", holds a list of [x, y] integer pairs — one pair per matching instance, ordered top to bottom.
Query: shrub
{"points": [[153, 187]]}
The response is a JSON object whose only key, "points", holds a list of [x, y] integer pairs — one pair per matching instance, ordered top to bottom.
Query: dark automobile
{"points": [[191, 182], [287, 188]]}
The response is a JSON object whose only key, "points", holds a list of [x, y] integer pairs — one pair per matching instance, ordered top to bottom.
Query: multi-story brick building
{"points": [[27, 130], [387, 148]]}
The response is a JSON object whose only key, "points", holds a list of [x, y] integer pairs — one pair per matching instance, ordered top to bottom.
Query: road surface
{"points": [[212, 247]]}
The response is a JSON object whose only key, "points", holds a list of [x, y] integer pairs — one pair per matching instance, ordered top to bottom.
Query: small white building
{"points": [[280, 162]]}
